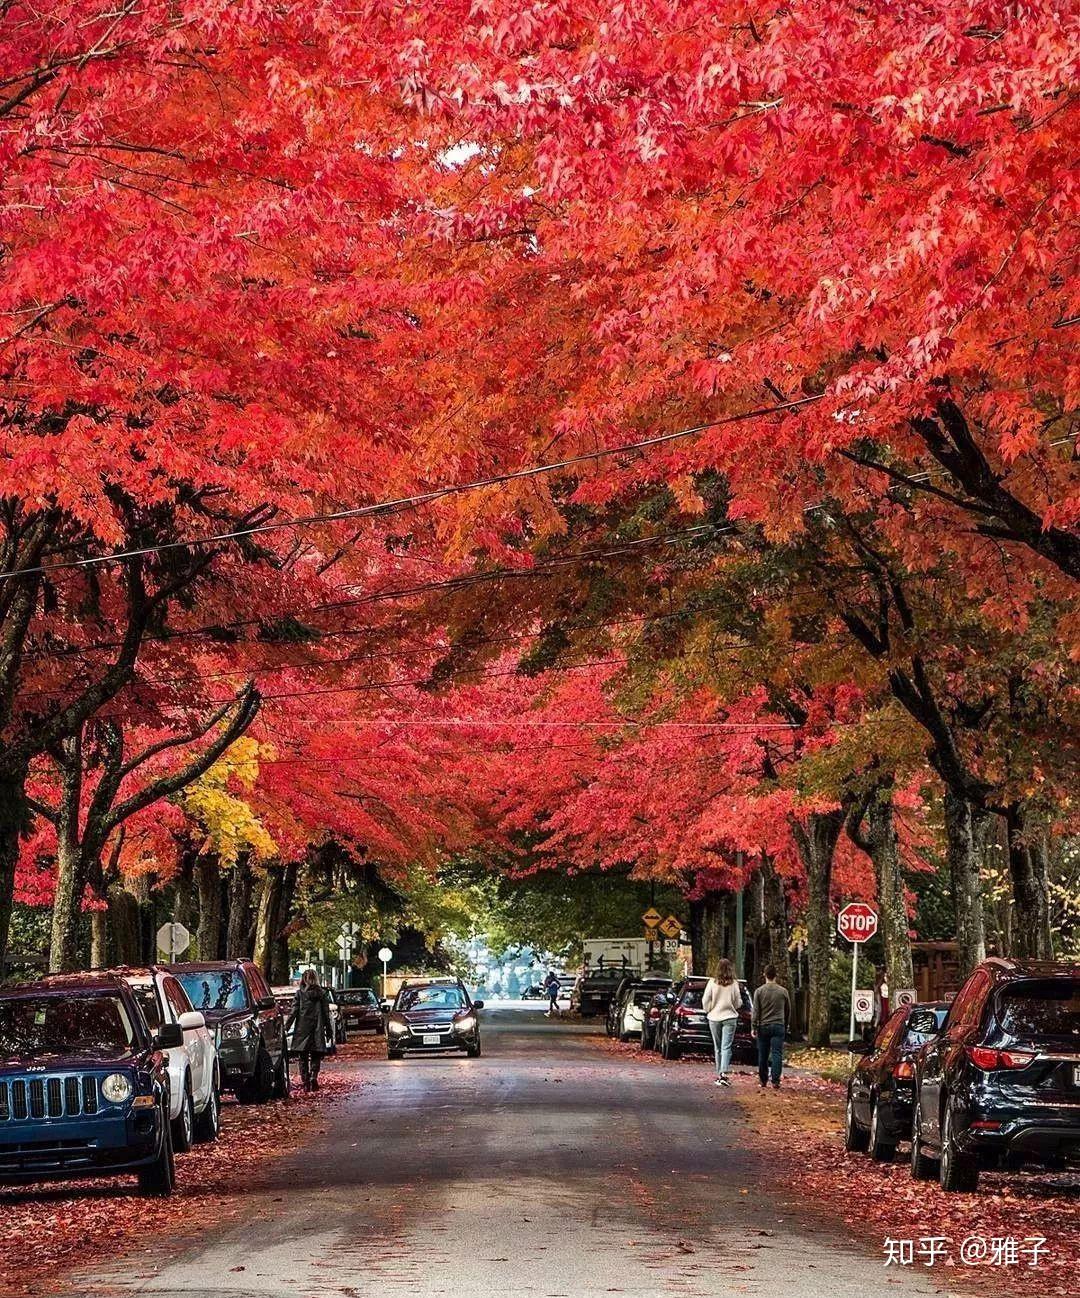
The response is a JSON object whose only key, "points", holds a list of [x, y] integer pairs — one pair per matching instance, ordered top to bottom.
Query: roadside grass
{"points": [[834, 1065]]}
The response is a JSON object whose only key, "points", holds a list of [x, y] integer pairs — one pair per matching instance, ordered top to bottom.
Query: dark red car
{"points": [[359, 1010]]}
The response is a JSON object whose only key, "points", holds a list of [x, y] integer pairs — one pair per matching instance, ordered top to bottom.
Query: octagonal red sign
{"points": [[857, 922]]}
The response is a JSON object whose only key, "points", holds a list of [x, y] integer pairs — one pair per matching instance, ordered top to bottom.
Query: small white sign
{"points": [[173, 939], [671, 946], [385, 954], [904, 997], [864, 1005]]}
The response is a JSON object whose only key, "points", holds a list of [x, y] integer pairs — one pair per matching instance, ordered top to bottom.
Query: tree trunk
{"points": [[14, 820], [964, 827], [816, 841], [885, 853], [71, 873], [208, 877], [1030, 885], [183, 897], [124, 923], [776, 923], [266, 925], [99, 939], [236, 940], [279, 942]]}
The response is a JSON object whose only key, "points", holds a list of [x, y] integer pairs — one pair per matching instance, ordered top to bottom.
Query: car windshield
{"points": [[215, 990], [357, 998], [430, 998], [1044, 1007], [96, 1024], [914, 1038]]}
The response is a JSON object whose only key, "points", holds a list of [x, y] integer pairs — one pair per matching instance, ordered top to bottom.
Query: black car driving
{"points": [[433, 1015], [248, 1023], [999, 1085], [84, 1087], [880, 1090]]}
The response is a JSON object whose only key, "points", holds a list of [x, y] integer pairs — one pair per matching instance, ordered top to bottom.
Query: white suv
{"points": [[194, 1073]]}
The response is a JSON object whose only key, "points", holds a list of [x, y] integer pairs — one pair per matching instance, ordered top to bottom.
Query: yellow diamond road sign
{"points": [[651, 917], [671, 927]]}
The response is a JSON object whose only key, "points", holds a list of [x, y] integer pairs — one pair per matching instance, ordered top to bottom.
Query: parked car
{"points": [[595, 988], [534, 992], [285, 996], [359, 1008], [654, 1011], [436, 1014], [627, 1016], [248, 1025], [684, 1026], [194, 1076], [84, 1084], [999, 1084], [880, 1090]]}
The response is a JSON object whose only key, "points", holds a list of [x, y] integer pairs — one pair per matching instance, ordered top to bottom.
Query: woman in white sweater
{"points": [[721, 1001]]}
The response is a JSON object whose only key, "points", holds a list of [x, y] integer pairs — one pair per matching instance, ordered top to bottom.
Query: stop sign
{"points": [[857, 922]]}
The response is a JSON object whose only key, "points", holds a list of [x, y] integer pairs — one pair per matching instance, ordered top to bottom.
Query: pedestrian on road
{"points": [[552, 988], [722, 1000], [772, 1010], [310, 1024]]}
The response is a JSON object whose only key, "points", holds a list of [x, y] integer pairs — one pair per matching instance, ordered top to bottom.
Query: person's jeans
{"points": [[723, 1035], [770, 1052]]}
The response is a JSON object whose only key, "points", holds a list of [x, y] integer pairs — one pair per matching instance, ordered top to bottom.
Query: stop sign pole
{"points": [[857, 922]]}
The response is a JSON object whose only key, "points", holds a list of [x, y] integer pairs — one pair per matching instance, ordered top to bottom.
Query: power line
{"points": [[401, 503]]}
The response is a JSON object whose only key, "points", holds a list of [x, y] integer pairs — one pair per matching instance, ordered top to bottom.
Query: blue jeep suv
{"points": [[84, 1088]]}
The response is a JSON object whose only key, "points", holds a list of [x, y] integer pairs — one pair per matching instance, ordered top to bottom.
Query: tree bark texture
{"points": [[964, 829], [816, 840]]}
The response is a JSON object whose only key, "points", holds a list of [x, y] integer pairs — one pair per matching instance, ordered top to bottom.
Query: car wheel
{"points": [[671, 1049], [474, 1052], [395, 1054], [260, 1086], [208, 1123], [183, 1129], [855, 1138], [882, 1146], [923, 1168], [959, 1173], [159, 1179]]}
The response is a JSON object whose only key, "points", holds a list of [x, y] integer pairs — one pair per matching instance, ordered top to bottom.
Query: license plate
{"points": [[432, 1039], [1076, 1074]]}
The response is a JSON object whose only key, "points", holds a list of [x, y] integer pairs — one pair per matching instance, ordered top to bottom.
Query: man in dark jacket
{"points": [[771, 1012], [310, 1024]]}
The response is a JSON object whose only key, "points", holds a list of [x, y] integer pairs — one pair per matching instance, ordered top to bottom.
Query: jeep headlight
{"points": [[466, 1024], [397, 1027], [235, 1031], [117, 1088]]}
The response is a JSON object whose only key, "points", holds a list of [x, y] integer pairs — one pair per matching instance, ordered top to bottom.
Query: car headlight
{"points": [[466, 1024], [394, 1026], [235, 1031], [117, 1088]]}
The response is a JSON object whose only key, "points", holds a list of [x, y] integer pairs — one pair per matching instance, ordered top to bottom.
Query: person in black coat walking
{"points": [[310, 1024]]}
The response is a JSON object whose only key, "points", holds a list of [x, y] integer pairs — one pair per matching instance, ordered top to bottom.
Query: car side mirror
{"points": [[265, 1003], [478, 1005], [385, 1006], [191, 1021], [924, 1022], [169, 1037], [860, 1047]]}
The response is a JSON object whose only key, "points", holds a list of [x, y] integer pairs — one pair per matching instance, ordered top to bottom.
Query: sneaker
{"points": [[725, 1080], [719, 1082], [775, 1086]]}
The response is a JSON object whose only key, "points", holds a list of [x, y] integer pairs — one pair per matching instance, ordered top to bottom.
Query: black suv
{"points": [[433, 1014], [248, 1024], [999, 1086], [879, 1091]]}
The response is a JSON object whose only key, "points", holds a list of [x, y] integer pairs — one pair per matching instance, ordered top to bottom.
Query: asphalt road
{"points": [[545, 1168]]}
